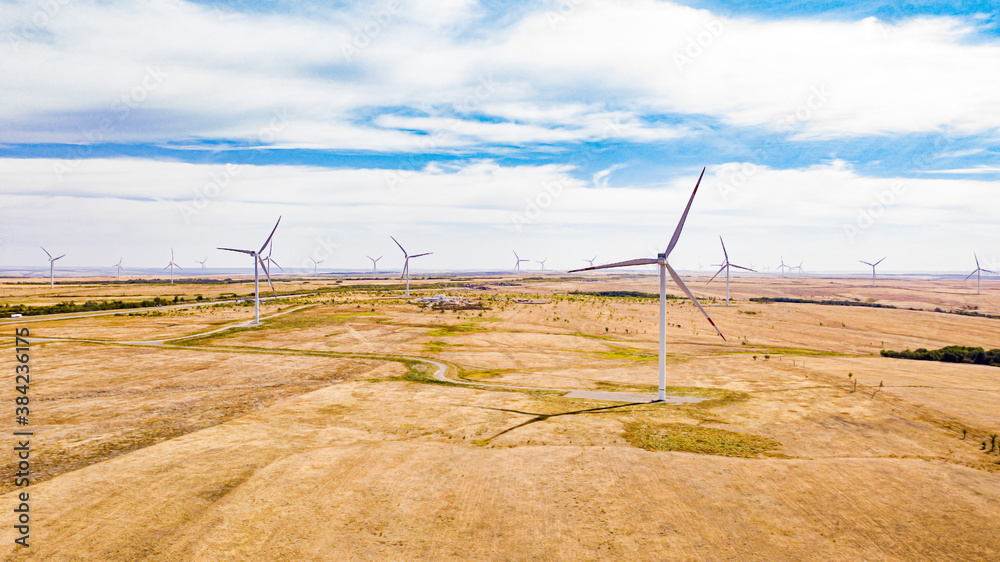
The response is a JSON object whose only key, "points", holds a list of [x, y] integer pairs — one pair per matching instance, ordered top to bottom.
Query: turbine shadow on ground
{"points": [[542, 417]]}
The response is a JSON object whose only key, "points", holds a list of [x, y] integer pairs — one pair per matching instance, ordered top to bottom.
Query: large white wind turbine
{"points": [[257, 260], [52, 261], [202, 262], [374, 264], [406, 264], [517, 264], [726, 265], [171, 266], [119, 267], [664, 267], [873, 268], [976, 272]]}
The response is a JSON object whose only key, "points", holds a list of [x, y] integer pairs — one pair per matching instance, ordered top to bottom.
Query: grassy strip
{"points": [[687, 438]]}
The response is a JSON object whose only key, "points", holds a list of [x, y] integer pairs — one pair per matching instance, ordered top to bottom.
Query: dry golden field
{"points": [[185, 434]]}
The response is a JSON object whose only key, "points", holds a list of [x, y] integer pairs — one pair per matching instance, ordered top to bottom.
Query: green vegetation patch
{"points": [[623, 294], [769, 300], [451, 330], [627, 353], [950, 354], [481, 374], [687, 438]]}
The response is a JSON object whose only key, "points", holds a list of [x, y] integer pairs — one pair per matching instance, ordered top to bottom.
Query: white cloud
{"points": [[226, 75], [472, 214]]}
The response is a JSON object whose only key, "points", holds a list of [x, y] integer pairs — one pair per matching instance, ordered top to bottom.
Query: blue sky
{"points": [[832, 131]]}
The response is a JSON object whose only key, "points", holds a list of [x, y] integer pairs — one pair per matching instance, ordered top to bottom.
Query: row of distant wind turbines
{"points": [[660, 261]]}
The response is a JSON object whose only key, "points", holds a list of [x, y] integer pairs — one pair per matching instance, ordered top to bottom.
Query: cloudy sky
{"points": [[832, 131]]}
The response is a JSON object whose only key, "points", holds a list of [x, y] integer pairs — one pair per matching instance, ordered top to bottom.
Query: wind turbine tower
{"points": [[257, 260], [52, 261], [661, 261], [202, 262], [315, 264], [374, 264], [406, 264], [517, 264], [172, 265], [726, 266], [873, 268], [976, 272]]}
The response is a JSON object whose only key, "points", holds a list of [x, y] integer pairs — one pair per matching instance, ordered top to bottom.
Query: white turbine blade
{"points": [[680, 225], [268, 241], [398, 244], [46, 252], [250, 252], [724, 253], [423, 254], [973, 255], [517, 257], [59, 258], [378, 258], [640, 261], [880, 261], [276, 263], [177, 266], [406, 267], [743, 268], [989, 271], [267, 274], [716, 274], [971, 274], [677, 280]]}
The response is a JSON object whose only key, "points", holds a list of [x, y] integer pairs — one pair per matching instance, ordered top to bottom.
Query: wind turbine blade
{"points": [[680, 225], [268, 241], [398, 244], [46, 252], [250, 252], [724, 253], [423, 254], [973, 254], [60, 257], [378, 258], [640, 261], [880, 261], [276, 263], [866, 263], [177, 266], [406, 268], [743, 268], [989, 271], [267, 273], [716, 274], [971, 274], [677, 280]]}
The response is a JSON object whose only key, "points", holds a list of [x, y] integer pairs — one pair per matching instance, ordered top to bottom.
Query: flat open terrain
{"points": [[320, 435]]}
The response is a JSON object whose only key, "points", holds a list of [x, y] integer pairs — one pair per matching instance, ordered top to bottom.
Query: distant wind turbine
{"points": [[257, 260], [52, 261], [590, 261], [202, 262], [542, 263], [316, 264], [374, 264], [406, 264], [517, 264], [172, 265], [726, 265], [119, 266], [783, 267], [798, 267], [665, 268], [873, 268], [976, 272]]}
